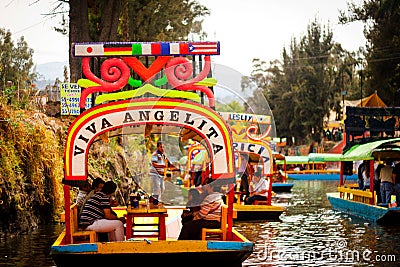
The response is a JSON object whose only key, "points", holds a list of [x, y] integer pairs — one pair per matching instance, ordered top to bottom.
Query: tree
{"points": [[382, 19], [126, 20], [16, 66], [305, 86]]}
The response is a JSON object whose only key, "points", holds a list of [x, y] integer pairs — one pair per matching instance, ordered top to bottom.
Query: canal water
{"points": [[308, 234]]}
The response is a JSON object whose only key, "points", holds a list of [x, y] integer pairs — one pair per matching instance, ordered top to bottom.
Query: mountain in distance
{"points": [[48, 72]]}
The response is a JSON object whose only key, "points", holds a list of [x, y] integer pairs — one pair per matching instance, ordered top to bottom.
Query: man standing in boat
{"points": [[159, 165], [387, 181]]}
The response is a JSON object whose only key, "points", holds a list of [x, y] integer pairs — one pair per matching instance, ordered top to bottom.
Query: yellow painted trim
{"points": [[355, 192], [240, 207], [161, 246]]}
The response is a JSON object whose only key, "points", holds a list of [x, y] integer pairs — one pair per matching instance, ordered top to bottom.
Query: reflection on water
{"points": [[309, 234], [29, 250]]}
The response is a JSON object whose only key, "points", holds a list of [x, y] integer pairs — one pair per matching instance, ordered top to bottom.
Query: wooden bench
{"points": [[357, 195], [260, 202], [218, 234], [78, 235]]}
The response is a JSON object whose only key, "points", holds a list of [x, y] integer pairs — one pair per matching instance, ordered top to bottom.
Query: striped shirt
{"points": [[159, 158], [211, 207], [93, 209]]}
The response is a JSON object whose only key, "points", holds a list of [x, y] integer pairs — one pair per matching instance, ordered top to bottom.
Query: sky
{"points": [[245, 29]]}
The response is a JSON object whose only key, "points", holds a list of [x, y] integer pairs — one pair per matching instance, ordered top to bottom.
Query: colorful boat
{"points": [[144, 111], [257, 153], [197, 154], [315, 166], [279, 176], [363, 203]]}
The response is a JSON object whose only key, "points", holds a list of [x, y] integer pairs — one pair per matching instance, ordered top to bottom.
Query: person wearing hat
{"points": [[258, 188]]}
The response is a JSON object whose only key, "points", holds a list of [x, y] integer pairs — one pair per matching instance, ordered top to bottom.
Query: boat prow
{"points": [[282, 187], [258, 212], [370, 212]]}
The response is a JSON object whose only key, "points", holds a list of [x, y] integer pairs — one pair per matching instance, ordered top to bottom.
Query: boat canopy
{"points": [[387, 148], [324, 157], [293, 160]]}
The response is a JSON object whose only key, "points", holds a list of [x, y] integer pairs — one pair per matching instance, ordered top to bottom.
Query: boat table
{"points": [[145, 211]]}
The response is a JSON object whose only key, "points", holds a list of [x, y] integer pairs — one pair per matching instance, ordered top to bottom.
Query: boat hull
{"points": [[321, 176], [282, 187], [365, 211], [258, 212], [180, 252]]}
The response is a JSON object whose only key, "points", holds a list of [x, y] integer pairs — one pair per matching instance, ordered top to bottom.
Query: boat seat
{"points": [[218, 234], [78, 235]]}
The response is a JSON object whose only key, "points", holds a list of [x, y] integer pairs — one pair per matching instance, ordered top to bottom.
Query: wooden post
{"points": [[371, 181], [231, 195], [67, 208]]}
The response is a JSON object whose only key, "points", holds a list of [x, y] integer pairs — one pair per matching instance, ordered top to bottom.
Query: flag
{"points": [[204, 48], [88, 49], [145, 49]]}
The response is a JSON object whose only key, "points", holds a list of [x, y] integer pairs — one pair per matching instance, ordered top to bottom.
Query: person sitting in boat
{"points": [[244, 171], [97, 185], [258, 188], [83, 192], [195, 198], [209, 215], [98, 216]]}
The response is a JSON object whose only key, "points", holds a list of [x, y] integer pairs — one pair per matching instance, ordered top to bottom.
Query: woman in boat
{"points": [[365, 176], [258, 189], [195, 198], [209, 215], [98, 216]]}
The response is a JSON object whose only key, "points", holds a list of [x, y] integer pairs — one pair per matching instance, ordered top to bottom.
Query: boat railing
{"points": [[357, 195]]}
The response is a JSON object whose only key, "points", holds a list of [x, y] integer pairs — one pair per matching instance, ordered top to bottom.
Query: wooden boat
{"points": [[144, 111], [258, 154], [315, 166], [279, 176], [362, 203], [262, 211]]}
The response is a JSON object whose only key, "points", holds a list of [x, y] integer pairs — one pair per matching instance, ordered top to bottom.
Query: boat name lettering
{"points": [[240, 117], [114, 120], [252, 148]]}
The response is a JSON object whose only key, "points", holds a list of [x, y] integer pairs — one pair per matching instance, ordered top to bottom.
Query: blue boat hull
{"points": [[333, 176], [365, 211], [180, 252], [217, 259]]}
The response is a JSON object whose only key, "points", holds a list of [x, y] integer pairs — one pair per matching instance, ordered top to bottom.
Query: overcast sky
{"points": [[246, 29]]}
